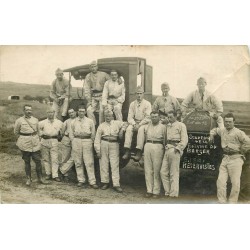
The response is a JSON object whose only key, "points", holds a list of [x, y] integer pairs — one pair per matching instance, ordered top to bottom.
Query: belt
{"points": [[94, 91], [112, 97], [28, 134], [46, 137], [83, 137], [109, 139], [154, 142], [173, 142], [231, 153]]}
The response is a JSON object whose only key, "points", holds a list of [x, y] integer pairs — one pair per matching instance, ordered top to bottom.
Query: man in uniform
{"points": [[93, 88], [60, 94], [113, 95], [204, 100], [166, 102], [138, 115], [26, 128], [50, 129], [82, 135], [154, 136], [177, 139], [233, 141], [107, 149], [67, 161]]}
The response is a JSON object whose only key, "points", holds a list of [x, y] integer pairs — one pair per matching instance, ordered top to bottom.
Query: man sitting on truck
{"points": [[93, 87], [60, 94], [113, 95], [204, 100], [138, 115]]}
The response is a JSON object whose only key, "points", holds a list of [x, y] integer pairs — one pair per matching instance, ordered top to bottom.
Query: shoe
{"points": [[138, 155], [126, 156], [48, 177], [57, 179], [42, 181], [28, 182], [81, 184], [94, 186], [105, 186], [118, 189], [148, 195], [156, 196]]}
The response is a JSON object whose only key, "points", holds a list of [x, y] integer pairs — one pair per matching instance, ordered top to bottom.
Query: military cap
{"points": [[59, 71], [201, 80], [139, 89]]}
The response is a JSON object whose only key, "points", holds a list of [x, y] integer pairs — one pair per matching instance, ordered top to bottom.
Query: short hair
{"points": [[114, 70], [201, 79], [165, 84], [26, 105], [81, 107], [71, 109], [108, 112], [154, 112], [172, 112], [229, 115]]}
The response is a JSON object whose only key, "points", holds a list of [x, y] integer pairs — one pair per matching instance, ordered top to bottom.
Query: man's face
{"points": [[93, 68], [59, 76], [114, 76], [201, 86], [165, 90], [139, 96], [27, 111], [81, 113], [50, 114], [72, 114], [108, 117], [155, 118], [171, 118], [163, 119], [229, 123]]}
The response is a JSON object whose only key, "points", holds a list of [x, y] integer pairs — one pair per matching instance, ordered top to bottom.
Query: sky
{"points": [[226, 68]]}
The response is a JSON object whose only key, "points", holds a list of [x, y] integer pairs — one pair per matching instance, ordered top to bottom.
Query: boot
{"points": [[138, 155], [126, 156], [28, 182]]}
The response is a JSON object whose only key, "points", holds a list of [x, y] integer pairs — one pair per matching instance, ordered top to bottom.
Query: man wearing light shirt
{"points": [[93, 88], [113, 95], [201, 99], [138, 115], [49, 129], [82, 135], [177, 139], [233, 142], [107, 149], [67, 161]]}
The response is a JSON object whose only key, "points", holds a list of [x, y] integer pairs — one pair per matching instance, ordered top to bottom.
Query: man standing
{"points": [[93, 87], [60, 94], [113, 95], [204, 100], [166, 102], [138, 115], [26, 128], [49, 130], [82, 135], [154, 135], [177, 139], [232, 142], [107, 149], [67, 161]]}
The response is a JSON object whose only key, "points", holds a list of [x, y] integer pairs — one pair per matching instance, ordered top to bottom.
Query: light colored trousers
{"points": [[96, 103], [62, 109], [117, 109], [128, 136], [140, 137], [82, 152], [110, 153], [153, 155], [50, 159], [67, 160], [230, 167], [170, 172]]}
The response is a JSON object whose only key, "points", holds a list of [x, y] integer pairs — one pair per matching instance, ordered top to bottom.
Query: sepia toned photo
{"points": [[124, 124]]}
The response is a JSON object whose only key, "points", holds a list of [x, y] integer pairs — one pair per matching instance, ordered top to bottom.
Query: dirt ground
{"points": [[14, 190]]}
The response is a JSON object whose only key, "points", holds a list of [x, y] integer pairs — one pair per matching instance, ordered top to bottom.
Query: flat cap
{"points": [[139, 89]]}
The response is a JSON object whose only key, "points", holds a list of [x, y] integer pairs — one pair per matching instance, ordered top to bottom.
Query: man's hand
{"points": [[136, 127], [120, 135], [211, 139], [176, 151], [99, 155]]}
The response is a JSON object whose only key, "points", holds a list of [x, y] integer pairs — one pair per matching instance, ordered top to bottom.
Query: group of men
{"points": [[160, 134]]}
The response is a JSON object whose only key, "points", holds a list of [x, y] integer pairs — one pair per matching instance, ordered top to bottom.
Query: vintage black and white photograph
{"points": [[125, 124]]}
